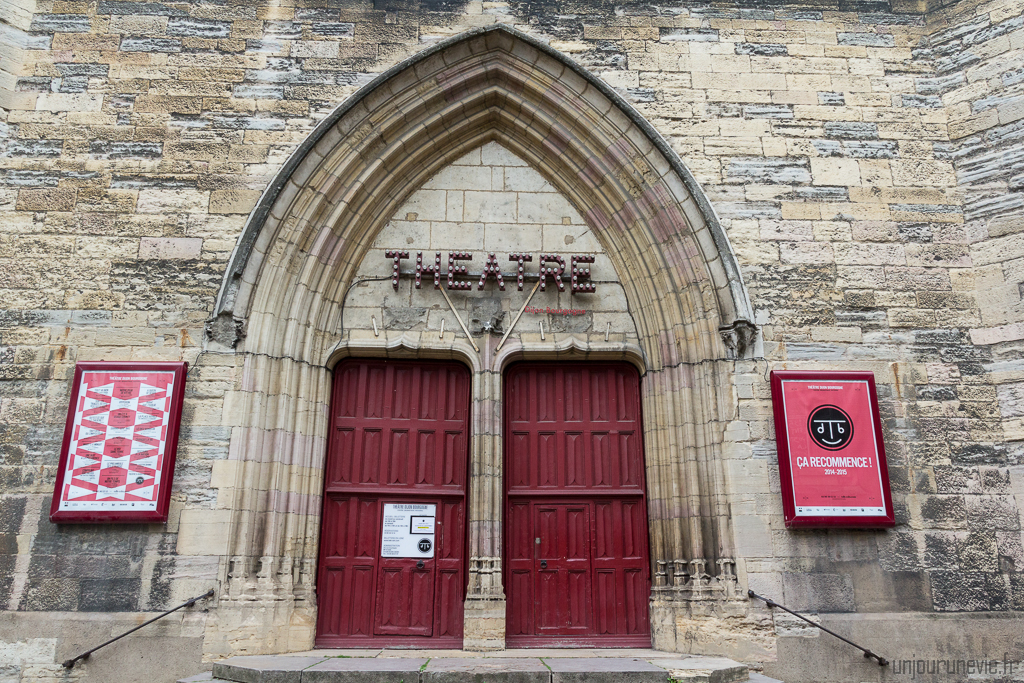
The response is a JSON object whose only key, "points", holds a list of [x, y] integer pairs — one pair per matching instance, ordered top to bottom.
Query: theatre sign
{"points": [[550, 268]]}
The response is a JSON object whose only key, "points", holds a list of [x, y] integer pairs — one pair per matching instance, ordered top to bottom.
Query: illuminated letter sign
{"points": [[550, 267], [120, 443], [831, 456]]}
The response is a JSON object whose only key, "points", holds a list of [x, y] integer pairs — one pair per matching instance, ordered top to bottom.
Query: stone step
{"points": [[656, 667], [704, 669], [207, 677], [755, 677]]}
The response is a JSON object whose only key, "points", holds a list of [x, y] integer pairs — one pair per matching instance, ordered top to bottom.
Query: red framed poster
{"points": [[120, 442], [831, 456]]}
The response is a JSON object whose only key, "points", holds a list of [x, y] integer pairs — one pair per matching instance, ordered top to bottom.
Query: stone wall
{"points": [[864, 158], [920, 288]]}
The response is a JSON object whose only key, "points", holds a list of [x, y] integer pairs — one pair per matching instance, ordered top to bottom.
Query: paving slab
{"points": [[337, 652], [577, 653], [639, 653], [427, 654], [550, 665], [264, 668], [703, 669], [361, 670], [486, 670], [604, 670], [198, 678], [761, 678]]}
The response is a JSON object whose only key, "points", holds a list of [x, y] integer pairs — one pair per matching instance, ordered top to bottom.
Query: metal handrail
{"points": [[882, 661], [69, 663]]}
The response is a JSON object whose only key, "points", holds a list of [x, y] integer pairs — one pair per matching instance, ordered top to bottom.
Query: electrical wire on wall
{"points": [[341, 314]]}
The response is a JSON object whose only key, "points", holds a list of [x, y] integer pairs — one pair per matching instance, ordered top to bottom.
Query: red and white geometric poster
{"points": [[120, 442], [831, 455]]}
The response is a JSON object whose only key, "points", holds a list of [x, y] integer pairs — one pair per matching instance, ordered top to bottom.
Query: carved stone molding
{"points": [[226, 329], [739, 338], [485, 578], [689, 580]]}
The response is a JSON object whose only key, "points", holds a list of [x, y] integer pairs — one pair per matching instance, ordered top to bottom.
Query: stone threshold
{"points": [[457, 666]]}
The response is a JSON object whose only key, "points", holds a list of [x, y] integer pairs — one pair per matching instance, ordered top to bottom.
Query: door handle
{"points": [[419, 564], [543, 564]]}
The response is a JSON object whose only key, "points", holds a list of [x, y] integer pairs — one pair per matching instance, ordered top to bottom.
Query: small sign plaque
{"points": [[120, 442], [831, 455], [422, 525], [408, 530]]}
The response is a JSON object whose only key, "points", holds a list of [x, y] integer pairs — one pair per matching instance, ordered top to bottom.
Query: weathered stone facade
{"points": [[197, 181]]}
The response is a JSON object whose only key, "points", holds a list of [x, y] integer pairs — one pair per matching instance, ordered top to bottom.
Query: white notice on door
{"points": [[422, 525], [408, 530]]}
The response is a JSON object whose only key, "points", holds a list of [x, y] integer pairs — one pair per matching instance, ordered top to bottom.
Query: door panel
{"points": [[399, 433], [552, 433], [383, 438], [349, 542], [520, 553], [576, 559], [449, 563], [562, 567], [406, 599], [449, 603], [563, 605]]}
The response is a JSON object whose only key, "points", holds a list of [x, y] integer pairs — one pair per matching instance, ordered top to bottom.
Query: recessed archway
{"points": [[313, 226]]}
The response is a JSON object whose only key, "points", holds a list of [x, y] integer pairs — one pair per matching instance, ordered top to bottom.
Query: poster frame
{"points": [[180, 371], [792, 520]]}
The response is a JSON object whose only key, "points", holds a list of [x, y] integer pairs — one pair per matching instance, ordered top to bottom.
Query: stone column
{"points": [[485, 596]]}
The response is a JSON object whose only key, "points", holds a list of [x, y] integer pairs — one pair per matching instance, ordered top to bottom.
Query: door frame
{"points": [[561, 496]]}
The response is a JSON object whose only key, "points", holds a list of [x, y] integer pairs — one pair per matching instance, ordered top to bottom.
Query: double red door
{"points": [[398, 441], [576, 560], [577, 569]]}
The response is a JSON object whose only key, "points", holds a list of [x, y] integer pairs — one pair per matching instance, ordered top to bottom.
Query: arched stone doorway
{"points": [[299, 256]]}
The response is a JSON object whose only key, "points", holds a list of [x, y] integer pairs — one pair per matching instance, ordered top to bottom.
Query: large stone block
{"points": [[57, 199], [233, 201], [170, 247], [203, 532], [819, 592], [497, 669], [397, 670], [604, 670]]}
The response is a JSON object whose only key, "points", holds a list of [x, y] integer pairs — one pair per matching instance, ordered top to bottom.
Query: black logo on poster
{"points": [[830, 427], [424, 545]]}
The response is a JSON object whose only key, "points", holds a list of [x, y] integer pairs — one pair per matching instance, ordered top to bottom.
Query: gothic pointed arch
{"points": [[298, 254]]}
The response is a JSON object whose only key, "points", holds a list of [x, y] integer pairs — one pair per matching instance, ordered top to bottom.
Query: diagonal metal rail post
{"points": [[518, 316], [459, 318], [882, 661], [69, 663]]}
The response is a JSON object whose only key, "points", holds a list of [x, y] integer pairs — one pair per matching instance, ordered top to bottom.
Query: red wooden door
{"points": [[398, 435], [576, 561]]}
